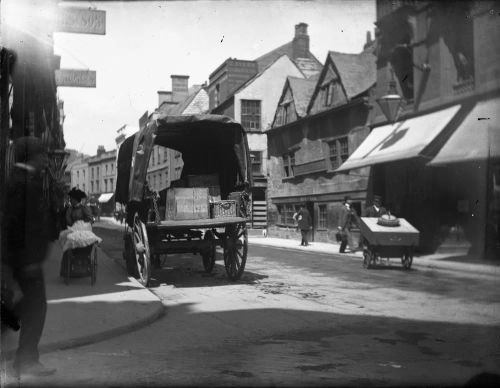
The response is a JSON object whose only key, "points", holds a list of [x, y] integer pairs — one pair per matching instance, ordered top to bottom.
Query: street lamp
{"points": [[391, 103]]}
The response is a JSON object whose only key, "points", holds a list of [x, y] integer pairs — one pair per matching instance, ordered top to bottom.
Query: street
{"points": [[295, 320]]}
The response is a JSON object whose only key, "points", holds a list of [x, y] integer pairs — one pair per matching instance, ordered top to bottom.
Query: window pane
{"points": [[250, 114], [344, 149], [322, 217]]}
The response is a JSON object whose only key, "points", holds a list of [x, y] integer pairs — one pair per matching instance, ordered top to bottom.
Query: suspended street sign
{"points": [[81, 21], [76, 78]]}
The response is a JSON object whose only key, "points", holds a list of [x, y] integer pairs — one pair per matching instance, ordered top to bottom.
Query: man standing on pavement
{"points": [[376, 209], [347, 221], [304, 223], [27, 236]]}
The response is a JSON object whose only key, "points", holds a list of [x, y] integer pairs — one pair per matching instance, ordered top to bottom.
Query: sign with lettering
{"points": [[81, 21], [76, 78]]}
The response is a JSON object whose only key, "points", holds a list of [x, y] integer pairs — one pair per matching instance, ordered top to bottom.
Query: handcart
{"points": [[210, 144], [382, 241], [80, 262]]}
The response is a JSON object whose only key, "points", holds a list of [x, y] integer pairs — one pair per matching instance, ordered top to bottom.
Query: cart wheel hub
{"points": [[140, 248]]}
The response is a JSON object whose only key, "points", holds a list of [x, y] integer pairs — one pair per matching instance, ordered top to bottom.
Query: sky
{"points": [[147, 41]]}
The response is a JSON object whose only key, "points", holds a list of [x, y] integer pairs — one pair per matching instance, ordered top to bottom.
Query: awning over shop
{"points": [[477, 138], [402, 140], [104, 198]]}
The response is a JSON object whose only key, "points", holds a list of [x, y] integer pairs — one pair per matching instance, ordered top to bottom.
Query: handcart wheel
{"points": [[141, 250], [235, 250], [209, 255], [367, 259], [407, 260], [93, 265]]}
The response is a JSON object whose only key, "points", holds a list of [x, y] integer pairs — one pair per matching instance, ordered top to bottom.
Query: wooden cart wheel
{"points": [[141, 250], [235, 250], [129, 253], [208, 256], [407, 260], [93, 265]]}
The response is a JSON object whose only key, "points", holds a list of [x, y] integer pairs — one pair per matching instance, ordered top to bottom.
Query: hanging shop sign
{"points": [[81, 21], [76, 78]]}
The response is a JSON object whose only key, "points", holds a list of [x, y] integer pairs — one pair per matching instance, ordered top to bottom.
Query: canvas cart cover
{"points": [[208, 143]]}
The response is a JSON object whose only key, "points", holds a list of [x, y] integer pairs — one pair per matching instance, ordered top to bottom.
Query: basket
{"points": [[223, 209], [388, 220]]}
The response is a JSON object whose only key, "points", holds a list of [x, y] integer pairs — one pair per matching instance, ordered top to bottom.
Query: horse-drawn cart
{"points": [[194, 221], [389, 241]]}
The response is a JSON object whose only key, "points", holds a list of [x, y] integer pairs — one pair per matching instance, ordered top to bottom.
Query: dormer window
{"points": [[327, 94], [283, 116]]}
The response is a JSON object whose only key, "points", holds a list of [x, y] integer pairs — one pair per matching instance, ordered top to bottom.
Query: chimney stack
{"points": [[368, 40], [301, 41], [179, 87], [164, 96], [100, 150]]}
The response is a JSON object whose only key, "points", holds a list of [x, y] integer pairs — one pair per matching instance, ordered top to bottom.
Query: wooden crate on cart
{"points": [[187, 203]]}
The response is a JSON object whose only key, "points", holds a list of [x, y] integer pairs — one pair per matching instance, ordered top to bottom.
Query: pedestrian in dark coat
{"points": [[376, 209], [347, 221], [304, 223], [27, 232]]}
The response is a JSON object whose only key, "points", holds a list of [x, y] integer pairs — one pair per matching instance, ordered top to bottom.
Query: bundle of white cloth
{"points": [[79, 235]]}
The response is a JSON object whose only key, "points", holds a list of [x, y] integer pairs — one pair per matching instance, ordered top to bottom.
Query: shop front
{"points": [[440, 171]]}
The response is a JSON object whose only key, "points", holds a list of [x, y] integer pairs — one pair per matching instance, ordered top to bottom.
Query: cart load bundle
{"points": [[403, 234]]}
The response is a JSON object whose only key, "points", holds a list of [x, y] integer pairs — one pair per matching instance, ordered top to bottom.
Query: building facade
{"points": [[248, 91], [317, 125], [437, 164], [102, 180]]}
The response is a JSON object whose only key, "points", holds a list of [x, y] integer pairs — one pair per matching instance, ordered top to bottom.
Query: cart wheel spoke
{"points": [[141, 248], [235, 250]]}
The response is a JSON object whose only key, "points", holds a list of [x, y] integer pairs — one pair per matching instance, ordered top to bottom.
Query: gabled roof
{"points": [[308, 66], [357, 72], [302, 90], [179, 109]]}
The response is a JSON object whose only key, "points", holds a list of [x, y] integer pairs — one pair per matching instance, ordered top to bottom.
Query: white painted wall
{"points": [[267, 87]]}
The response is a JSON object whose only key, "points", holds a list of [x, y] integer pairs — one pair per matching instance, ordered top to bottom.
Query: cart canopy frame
{"points": [[208, 143]]}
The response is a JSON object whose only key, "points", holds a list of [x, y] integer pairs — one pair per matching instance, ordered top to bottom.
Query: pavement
{"points": [[80, 314]]}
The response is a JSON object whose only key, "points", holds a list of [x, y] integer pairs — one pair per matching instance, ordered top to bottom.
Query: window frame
{"points": [[249, 117], [338, 151], [322, 223]]}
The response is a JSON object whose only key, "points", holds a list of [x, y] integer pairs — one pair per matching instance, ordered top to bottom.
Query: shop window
{"points": [[250, 115], [339, 151], [256, 160], [288, 164], [285, 214], [322, 216]]}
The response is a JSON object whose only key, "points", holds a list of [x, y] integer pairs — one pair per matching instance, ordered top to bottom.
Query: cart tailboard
{"points": [[403, 235]]}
